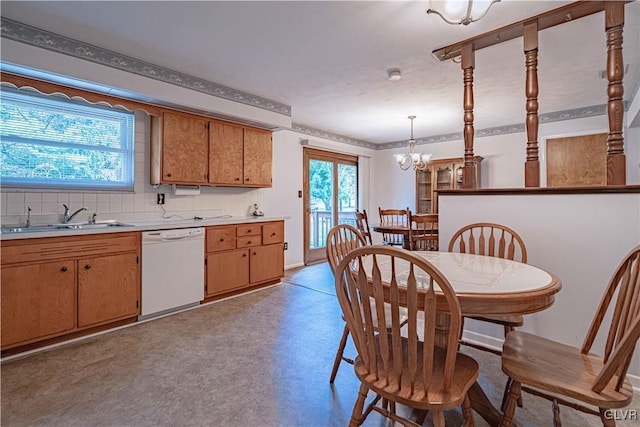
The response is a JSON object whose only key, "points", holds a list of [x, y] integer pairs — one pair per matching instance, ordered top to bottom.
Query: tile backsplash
{"points": [[229, 201]]}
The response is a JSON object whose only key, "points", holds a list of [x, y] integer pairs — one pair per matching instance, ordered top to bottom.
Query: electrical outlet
{"points": [[300, 194], [160, 199], [286, 245]]}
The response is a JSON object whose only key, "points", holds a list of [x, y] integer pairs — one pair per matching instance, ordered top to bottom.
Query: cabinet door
{"points": [[185, 149], [225, 153], [257, 157], [424, 191], [267, 263], [227, 271], [108, 288], [37, 301]]}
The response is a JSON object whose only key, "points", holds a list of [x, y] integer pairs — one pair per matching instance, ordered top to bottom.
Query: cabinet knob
{"points": [[169, 174], [237, 179], [246, 179], [248, 231], [273, 234], [222, 240], [249, 242], [255, 253], [244, 255], [87, 267], [63, 269]]}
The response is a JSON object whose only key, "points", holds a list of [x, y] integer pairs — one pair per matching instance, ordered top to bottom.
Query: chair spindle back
{"points": [[394, 218], [362, 224], [424, 233], [484, 238], [341, 240], [412, 283]]}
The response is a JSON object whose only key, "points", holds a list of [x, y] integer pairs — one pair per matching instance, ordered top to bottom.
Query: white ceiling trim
{"points": [[27, 34]]}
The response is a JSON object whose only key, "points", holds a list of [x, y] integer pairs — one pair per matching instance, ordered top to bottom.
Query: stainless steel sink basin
{"points": [[88, 225], [61, 226]]}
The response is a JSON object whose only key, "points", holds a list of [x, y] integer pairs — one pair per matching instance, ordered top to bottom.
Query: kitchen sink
{"points": [[62, 226]]}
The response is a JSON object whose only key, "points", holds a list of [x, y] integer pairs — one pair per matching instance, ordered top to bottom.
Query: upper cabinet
{"points": [[185, 148], [193, 150], [239, 156]]}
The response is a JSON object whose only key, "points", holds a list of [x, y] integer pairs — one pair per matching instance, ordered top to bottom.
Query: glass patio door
{"points": [[330, 198]]}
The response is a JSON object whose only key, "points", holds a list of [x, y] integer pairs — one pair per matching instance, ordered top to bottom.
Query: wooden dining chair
{"points": [[394, 218], [362, 224], [424, 232], [341, 240], [495, 240], [402, 368], [557, 371]]}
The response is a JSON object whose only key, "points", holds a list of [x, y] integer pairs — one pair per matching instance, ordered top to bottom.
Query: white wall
{"points": [[581, 238]]}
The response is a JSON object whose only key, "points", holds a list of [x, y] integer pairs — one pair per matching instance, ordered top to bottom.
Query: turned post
{"points": [[614, 22], [532, 164], [469, 169]]}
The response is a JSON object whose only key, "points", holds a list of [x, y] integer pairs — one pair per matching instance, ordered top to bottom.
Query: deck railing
{"points": [[320, 222]]}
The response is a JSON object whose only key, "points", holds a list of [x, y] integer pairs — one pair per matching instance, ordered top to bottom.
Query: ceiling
{"points": [[328, 60]]}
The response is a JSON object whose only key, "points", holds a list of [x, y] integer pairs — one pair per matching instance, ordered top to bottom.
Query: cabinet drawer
{"points": [[249, 230], [272, 233], [221, 239], [248, 241]]}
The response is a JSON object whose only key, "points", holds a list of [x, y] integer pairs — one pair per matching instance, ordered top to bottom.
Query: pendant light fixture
{"points": [[460, 11], [410, 157]]}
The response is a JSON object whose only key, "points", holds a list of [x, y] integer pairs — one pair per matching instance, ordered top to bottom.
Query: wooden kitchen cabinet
{"points": [[185, 149], [194, 150], [257, 157], [440, 174], [255, 259], [266, 263], [227, 271], [57, 286], [107, 288], [38, 301]]}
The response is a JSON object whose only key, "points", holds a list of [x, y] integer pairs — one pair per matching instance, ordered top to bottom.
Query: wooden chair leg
{"points": [[339, 353], [510, 406], [466, 412], [556, 414], [357, 416], [438, 418], [606, 418]]}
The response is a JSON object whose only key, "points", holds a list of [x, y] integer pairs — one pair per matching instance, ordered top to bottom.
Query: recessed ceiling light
{"points": [[394, 74]]}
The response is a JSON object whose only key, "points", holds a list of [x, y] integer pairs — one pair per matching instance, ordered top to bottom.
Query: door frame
{"points": [[313, 256]]}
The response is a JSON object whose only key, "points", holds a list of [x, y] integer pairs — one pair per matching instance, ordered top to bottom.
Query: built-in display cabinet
{"points": [[441, 174]]}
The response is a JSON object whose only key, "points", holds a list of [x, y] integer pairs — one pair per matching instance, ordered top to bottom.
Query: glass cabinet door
{"points": [[444, 176], [423, 191]]}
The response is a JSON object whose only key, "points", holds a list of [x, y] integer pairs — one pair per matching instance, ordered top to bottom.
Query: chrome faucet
{"points": [[68, 217], [93, 218], [28, 224]]}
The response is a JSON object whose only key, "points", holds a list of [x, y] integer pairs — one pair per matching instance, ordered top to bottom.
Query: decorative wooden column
{"points": [[614, 22], [532, 164], [469, 169]]}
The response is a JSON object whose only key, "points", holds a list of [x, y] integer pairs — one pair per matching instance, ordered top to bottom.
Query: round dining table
{"points": [[484, 286]]}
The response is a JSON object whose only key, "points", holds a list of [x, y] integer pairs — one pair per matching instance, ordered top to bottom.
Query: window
{"points": [[52, 142]]}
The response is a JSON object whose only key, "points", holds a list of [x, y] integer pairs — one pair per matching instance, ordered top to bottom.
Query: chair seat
{"points": [[513, 321], [558, 368], [465, 374]]}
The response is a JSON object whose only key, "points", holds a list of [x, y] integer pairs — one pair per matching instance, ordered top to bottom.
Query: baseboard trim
{"points": [[292, 266], [496, 344]]}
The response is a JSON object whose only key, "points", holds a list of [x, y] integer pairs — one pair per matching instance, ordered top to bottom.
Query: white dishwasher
{"points": [[172, 270]]}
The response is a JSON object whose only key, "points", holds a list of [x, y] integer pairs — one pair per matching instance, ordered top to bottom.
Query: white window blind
{"points": [[52, 142]]}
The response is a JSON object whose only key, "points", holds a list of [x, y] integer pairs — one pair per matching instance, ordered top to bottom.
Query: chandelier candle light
{"points": [[460, 11], [411, 158]]}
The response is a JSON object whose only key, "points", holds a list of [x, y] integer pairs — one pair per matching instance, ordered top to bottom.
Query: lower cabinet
{"points": [[244, 255], [60, 285], [107, 288], [38, 300]]}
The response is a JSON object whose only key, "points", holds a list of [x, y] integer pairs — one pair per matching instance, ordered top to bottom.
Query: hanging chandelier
{"points": [[460, 11], [410, 157]]}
